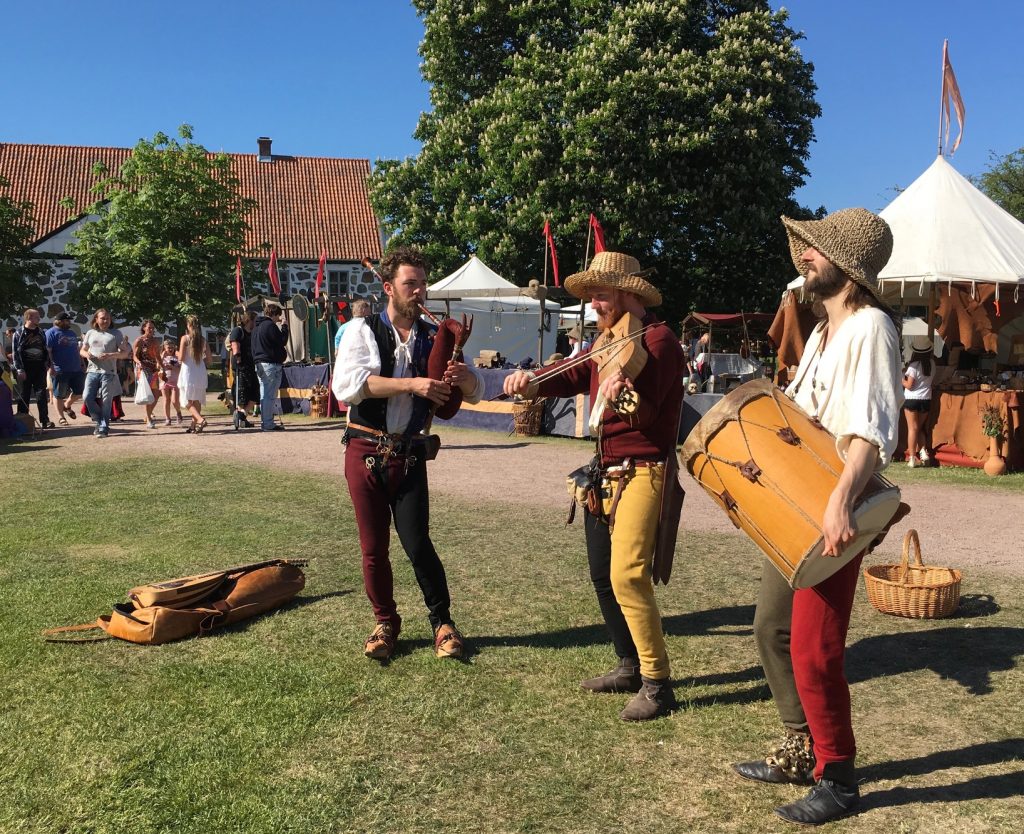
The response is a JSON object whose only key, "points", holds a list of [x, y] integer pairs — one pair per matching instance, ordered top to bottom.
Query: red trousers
{"points": [[801, 638]]}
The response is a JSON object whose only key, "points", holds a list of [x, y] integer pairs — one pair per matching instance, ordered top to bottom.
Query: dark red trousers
{"points": [[395, 491], [821, 619], [801, 638]]}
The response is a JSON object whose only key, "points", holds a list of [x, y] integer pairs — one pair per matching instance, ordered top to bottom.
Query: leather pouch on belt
{"points": [[430, 445]]}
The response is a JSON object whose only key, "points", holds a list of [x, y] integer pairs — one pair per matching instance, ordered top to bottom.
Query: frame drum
{"points": [[772, 468]]}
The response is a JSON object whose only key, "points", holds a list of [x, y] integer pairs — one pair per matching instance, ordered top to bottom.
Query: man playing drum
{"points": [[849, 379], [634, 441]]}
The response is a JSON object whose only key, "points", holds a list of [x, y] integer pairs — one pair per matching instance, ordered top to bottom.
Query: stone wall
{"points": [[295, 277]]}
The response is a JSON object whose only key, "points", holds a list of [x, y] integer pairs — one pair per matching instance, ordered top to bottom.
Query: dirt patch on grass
{"points": [[959, 527]]}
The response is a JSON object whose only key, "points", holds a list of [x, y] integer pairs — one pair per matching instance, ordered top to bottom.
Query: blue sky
{"points": [[341, 78]]}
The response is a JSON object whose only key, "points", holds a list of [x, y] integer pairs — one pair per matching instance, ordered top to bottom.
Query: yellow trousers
{"points": [[633, 539]]}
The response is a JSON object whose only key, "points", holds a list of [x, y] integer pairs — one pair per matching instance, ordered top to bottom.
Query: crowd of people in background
{"points": [[55, 368]]}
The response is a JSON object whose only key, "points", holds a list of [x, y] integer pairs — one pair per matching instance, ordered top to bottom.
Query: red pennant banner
{"points": [[598, 234], [554, 252], [320, 273], [238, 279], [275, 282]]}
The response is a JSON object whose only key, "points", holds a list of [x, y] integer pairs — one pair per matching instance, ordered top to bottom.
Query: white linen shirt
{"points": [[359, 358], [853, 387]]}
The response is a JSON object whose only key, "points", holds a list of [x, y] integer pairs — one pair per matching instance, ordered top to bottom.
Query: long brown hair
{"points": [[194, 334], [925, 358]]}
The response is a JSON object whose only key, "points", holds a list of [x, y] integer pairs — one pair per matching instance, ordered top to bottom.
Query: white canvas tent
{"points": [[944, 230], [570, 316], [506, 317]]}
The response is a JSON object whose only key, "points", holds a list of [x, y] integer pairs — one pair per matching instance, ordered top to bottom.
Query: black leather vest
{"points": [[372, 412]]}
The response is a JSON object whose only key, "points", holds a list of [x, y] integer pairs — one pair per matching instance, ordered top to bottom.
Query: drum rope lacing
{"points": [[760, 476]]}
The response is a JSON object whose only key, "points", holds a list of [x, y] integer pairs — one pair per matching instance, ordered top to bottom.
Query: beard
{"points": [[827, 282], [407, 308], [605, 321]]}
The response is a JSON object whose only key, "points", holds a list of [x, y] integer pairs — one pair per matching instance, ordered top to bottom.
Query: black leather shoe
{"points": [[790, 763], [761, 771], [826, 801]]}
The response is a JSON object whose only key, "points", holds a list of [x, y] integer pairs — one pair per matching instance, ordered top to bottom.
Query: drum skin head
{"points": [[871, 516]]}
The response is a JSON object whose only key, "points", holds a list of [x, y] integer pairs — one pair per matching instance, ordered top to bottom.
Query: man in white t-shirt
{"points": [[102, 346], [849, 379]]}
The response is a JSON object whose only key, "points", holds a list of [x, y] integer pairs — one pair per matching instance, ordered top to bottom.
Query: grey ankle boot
{"points": [[623, 678], [654, 700]]}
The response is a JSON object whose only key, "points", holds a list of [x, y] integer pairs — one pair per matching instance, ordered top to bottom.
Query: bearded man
{"points": [[381, 373], [849, 380], [635, 418]]}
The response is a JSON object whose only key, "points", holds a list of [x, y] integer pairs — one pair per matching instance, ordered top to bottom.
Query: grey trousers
{"points": [[772, 629]]}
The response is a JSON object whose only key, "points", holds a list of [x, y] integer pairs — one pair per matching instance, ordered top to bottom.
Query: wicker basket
{"points": [[527, 417], [919, 591]]}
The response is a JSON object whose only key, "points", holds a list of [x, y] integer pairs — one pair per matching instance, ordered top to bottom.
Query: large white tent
{"points": [[944, 230], [506, 317]]}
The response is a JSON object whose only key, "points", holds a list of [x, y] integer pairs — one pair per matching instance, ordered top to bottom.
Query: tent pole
{"points": [[586, 263], [931, 315], [540, 333]]}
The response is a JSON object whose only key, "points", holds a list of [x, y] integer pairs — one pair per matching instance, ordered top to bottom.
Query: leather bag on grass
{"points": [[194, 605]]}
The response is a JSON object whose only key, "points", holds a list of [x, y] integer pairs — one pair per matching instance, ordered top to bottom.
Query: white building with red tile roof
{"points": [[305, 206]]}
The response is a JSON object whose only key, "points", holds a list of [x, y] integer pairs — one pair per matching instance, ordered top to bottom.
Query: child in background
{"points": [[170, 367]]}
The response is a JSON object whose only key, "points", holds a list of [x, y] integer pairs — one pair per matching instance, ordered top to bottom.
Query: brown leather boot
{"points": [[623, 678], [654, 700]]}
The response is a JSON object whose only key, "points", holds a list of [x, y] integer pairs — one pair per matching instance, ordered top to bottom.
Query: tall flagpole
{"points": [[942, 93], [546, 251], [586, 263]]}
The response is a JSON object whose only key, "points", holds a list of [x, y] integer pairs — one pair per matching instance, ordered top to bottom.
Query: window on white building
{"points": [[337, 283]]}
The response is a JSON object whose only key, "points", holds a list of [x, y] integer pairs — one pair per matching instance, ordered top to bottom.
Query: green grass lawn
{"points": [[280, 724]]}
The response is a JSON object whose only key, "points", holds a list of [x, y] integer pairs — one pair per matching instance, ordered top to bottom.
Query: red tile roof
{"points": [[305, 204]]}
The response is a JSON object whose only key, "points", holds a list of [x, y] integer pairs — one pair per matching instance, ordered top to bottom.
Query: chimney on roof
{"points": [[264, 149]]}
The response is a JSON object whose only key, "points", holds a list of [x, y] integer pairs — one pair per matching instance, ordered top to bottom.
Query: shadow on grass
{"points": [[13, 448], [296, 603], [692, 624], [941, 650], [1000, 786]]}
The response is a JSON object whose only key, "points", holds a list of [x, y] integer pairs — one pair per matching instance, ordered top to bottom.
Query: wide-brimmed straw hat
{"points": [[854, 239], [614, 271], [921, 344]]}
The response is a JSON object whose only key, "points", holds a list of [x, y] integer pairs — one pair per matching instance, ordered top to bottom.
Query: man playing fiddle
{"points": [[381, 373], [636, 386]]}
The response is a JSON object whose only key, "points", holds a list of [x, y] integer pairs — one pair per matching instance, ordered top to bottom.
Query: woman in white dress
{"points": [[193, 353]]}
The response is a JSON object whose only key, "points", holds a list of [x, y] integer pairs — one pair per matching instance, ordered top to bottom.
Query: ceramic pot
{"points": [[995, 465]]}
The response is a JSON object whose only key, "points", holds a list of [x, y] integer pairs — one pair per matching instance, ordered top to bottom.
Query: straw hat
{"points": [[854, 239], [614, 271], [921, 344]]}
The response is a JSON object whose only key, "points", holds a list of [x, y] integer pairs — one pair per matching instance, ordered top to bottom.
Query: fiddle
{"points": [[628, 358]]}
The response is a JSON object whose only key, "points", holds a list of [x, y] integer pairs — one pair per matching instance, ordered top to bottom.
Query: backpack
{"points": [[194, 605]]}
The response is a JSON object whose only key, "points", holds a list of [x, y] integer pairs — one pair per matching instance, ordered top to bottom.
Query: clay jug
{"points": [[995, 465]]}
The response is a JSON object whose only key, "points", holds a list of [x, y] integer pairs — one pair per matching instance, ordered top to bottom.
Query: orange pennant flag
{"points": [[950, 95]]}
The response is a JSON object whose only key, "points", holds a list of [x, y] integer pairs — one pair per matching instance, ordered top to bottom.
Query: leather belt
{"points": [[387, 445], [624, 468]]}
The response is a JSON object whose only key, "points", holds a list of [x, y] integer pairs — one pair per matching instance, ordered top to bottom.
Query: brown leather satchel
{"points": [[238, 594]]}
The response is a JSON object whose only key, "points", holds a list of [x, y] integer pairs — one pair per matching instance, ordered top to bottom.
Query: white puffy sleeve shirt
{"points": [[359, 358], [853, 387]]}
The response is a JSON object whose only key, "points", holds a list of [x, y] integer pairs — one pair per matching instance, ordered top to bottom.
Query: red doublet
{"points": [[651, 433]]}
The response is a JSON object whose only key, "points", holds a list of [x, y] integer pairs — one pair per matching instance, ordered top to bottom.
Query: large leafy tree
{"points": [[683, 124], [1003, 182], [170, 224], [20, 268]]}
